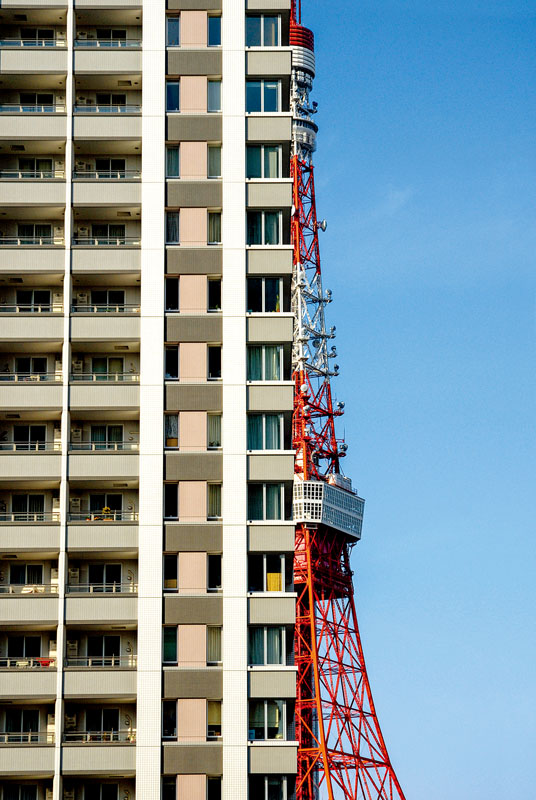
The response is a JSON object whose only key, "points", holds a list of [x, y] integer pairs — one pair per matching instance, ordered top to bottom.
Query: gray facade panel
{"points": [[194, 5], [194, 62], [271, 63], [194, 128], [268, 129], [194, 194], [269, 195], [194, 261], [269, 262], [189, 328], [275, 328], [194, 397], [270, 398], [194, 467], [271, 467], [192, 538], [270, 538], [201, 610], [272, 610], [194, 683], [276, 683], [204, 759], [273, 760]]}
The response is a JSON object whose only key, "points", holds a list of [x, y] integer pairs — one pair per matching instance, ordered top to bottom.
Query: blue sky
{"points": [[426, 173]]}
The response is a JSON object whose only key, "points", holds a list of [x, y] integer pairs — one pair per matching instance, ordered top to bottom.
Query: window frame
{"points": [[209, 17], [177, 18], [262, 18], [263, 82], [173, 110], [210, 110], [176, 147], [209, 148], [279, 162], [263, 212], [176, 241], [217, 241], [263, 280], [263, 379], [263, 415], [214, 446], [264, 484], [209, 485], [282, 572], [264, 628], [284, 716], [286, 794]]}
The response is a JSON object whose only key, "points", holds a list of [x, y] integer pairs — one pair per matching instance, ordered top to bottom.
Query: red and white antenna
{"points": [[341, 751]]}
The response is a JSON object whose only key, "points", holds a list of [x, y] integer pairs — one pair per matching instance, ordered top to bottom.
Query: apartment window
{"points": [[173, 31], [262, 31], [214, 32], [111, 34], [172, 96], [213, 96], [263, 96], [108, 99], [44, 100], [214, 161], [263, 161], [172, 162], [42, 167], [172, 227], [214, 227], [264, 227], [34, 232], [112, 233], [172, 294], [214, 294], [264, 295], [108, 299], [171, 362], [214, 362], [264, 362], [29, 365], [105, 367], [171, 430], [213, 431], [265, 431], [29, 437], [107, 437], [171, 498], [214, 501], [265, 501], [112, 502], [28, 507], [214, 572], [269, 572], [170, 573], [25, 574], [104, 577], [214, 634], [170, 645], [267, 645], [24, 647], [103, 651], [169, 719], [213, 719], [267, 719], [20, 723], [270, 787], [213, 788], [169, 789], [14, 791]]}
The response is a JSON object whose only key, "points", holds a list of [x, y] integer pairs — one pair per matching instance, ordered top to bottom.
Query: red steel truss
{"points": [[342, 753]]}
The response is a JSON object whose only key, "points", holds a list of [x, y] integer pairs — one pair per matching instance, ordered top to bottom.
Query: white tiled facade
{"points": [[146, 601]]}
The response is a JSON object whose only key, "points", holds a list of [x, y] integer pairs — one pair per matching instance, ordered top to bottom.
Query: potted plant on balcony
{"points": [[107, 514]]}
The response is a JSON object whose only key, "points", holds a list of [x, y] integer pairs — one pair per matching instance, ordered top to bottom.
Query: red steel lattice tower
{"points": [[341, 753]]}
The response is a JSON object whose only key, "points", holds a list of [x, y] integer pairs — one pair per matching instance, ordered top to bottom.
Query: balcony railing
{"points": [[33, 43], [107, 43], [32, 108], [118, 108], [30, 174], [107, 175], [33, 241], [106, 241], [34, 308], [101, 308], [31, 377], [106, 377], [30, 447], [102, 447], [29, 516], [99, 516], [29, 588], [102, 588], [20, 662], [102, 662], [26, 737], [100, 737]]}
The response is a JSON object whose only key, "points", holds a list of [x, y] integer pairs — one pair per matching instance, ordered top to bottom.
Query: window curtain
{"points": [[270, 32], [214, 96], [253, 155], [214, 161], [172, 162], [271, 162], [172, 227], [271, 227], [214, 228], [254, 232], [272, 300], [254, 366], [272, 366], [172, 430], [214, 430], [255, 432], [273, 432], [98, 436], [214, 500], [273, 501], [36, 503], [255, 505], [34, 573], [170, 644], [213, 644], [256, 646], [274, 646], [214, 712], [256, 719], [274, 719], [275, 788]]}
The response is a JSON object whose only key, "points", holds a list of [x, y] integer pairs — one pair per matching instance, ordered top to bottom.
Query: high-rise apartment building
{"points": [[147, 605]]}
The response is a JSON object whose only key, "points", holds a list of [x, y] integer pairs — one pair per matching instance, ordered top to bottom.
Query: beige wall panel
{"points": [[268, 5], [193, 29], [108, 61], [270, 63], [193, 94], [26, 126], [95, 126], [269, 129], [193, 156], [45, 193], [102, 193], [269, 195], [193, 227], [30, 260], [114, 260], [192, 261], [269, 262], [193, 294], [16, 327], [102, 328], [275, 328], [193, 362], [18, 396], [92, 396], [270, 398], [192, 431], [94, 466], [17, 467], [194, 467], [271, 468], [193, 501], [29, 537], [116, 537], [183, 537], [271, 538], [192, 573], [19, 609], [88, 609], [272, 610], [192, 646], [99, 683], [276, 683], [24, 684], [191, 720], [206, 759], [26, 760], [102, 760], [277, 760], [191, 787]]}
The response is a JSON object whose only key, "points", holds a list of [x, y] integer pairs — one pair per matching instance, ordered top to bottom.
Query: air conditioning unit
{"points": [[81, 35], [81, 166], [83, 232], [58, 234], [82, 298], [57, 301], [58, 366], [78, 366], [76, 435], [56, 505], [74, 505], [54, 576], [74, 576], [52, 648], [72, 648], [51, 722], [70, 722], [49, 794], [68, 794]]}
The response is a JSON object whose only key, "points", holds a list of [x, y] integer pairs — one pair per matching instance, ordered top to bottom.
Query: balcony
{"points": [[28, 57], [91, 58], [31, 108], [117, 108], [47, 121], [105, 124], [106, 175], [23, 190], [92, 192], [32, 241], [107, 241], [31, 326], [31, 391], [44, 465], [101, 465], [107, 516], [117, 537], [37, 588], [102, 588], [36, 605], [104, 607], [24, 678], [26, 737], [100, 737], [97, 755], [27, 758]]}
